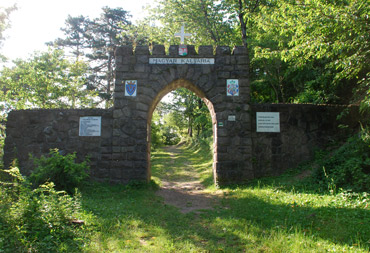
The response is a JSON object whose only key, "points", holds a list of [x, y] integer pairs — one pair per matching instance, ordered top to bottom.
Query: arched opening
{"points": [[182, 83]]}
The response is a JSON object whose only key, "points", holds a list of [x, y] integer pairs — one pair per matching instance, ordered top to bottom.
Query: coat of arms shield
{"points": [[183, 50], [232, 87], [130, 88]]}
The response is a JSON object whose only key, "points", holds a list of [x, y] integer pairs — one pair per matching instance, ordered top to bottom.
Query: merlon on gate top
{"points": [[159, 50]]}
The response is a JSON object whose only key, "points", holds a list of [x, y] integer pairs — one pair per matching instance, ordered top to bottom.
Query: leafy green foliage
{"points": [[206, 20], [329, 38], [47, 80], [184, 116], [347, 167], [60, 169], [38, 220]]}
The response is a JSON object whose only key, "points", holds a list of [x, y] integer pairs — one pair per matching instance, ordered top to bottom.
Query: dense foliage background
{"points": [[310, 51]]}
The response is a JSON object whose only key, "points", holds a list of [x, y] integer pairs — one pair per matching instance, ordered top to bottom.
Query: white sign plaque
{"points": [[181, 61], [231, 118], [268, 122], [90, 126]]}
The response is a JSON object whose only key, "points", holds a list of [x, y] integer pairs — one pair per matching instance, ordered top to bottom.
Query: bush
{"points": [[347, 167], [63, 171], [38, 220]]}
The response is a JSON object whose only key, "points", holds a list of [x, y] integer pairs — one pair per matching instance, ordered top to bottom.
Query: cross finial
{"points": [[182, 34]]}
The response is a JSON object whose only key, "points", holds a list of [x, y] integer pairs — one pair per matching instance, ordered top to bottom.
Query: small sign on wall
{"points": [[232, 87], [231, 118], [268, 122], [90, 126]]}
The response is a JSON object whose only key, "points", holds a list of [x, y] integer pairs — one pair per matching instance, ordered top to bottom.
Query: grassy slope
{"points": [[261, 217]]}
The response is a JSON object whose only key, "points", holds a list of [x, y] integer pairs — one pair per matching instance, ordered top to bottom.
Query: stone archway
{"points": [[206, 74], [182, 83]]}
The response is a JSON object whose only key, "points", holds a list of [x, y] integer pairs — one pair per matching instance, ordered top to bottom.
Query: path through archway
{"points": [[181, 83]]}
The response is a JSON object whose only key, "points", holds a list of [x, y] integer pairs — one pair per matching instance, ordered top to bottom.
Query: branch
{"points": [[216, 39]]}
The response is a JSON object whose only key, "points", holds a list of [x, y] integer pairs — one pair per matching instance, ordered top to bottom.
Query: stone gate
{"points": [[204, 73], [119, 147]]}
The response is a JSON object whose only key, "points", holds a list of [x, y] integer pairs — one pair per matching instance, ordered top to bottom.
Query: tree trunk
{"points": [[109, 76], [190, 128]]}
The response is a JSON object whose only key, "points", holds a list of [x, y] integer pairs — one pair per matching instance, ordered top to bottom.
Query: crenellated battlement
{"points": [[160, 50]]}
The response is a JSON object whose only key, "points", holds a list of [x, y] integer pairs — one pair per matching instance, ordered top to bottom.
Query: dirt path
{"points": [[186, 193]]}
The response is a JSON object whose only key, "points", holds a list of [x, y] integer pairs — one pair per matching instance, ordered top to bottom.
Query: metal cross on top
{"points": [[182, 34]]}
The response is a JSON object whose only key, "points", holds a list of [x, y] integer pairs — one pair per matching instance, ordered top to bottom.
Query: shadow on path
{"points": [[184, 190]]}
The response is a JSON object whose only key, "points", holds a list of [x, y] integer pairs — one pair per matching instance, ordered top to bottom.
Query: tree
{"points": [[77, 32], [333, 35], [97, 40], [47, 80], [192, 111]]}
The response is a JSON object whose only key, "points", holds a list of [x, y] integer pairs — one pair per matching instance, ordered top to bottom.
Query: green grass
{"points": [[186, 163], [281, 214], [264, 216]]}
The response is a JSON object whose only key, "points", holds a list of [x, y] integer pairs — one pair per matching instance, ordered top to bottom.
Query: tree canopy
{"points": [[96, 40], [326, 43], [309, 51], [46, 80]]}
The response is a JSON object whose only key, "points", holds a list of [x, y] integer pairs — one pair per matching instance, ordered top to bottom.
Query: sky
{"points": [[39, 21]]}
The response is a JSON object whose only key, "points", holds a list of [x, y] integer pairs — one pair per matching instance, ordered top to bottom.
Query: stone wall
{"points": [[304, 128], [37, 131], [122, 152]]}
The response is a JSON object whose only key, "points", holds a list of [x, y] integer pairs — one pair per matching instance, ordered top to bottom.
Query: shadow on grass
{"points": [[181, 163], [129, 219], [238, 224]]}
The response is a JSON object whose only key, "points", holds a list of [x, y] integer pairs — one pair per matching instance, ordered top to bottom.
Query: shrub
{"points": [[63, 171], [38, 220]]}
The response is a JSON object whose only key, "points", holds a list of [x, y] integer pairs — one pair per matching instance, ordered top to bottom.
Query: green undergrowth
{"points": [[40, 219]]}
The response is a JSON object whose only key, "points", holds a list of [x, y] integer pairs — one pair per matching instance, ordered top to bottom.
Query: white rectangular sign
{"points": [[181, 61], [231, 118], [268, 122], [90, 126]]}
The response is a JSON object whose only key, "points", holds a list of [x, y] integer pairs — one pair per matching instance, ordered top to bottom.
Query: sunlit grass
{"points": [[264, 216]]}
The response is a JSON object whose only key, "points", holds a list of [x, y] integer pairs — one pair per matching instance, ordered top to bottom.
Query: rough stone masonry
{"points": [[121, 152]]}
